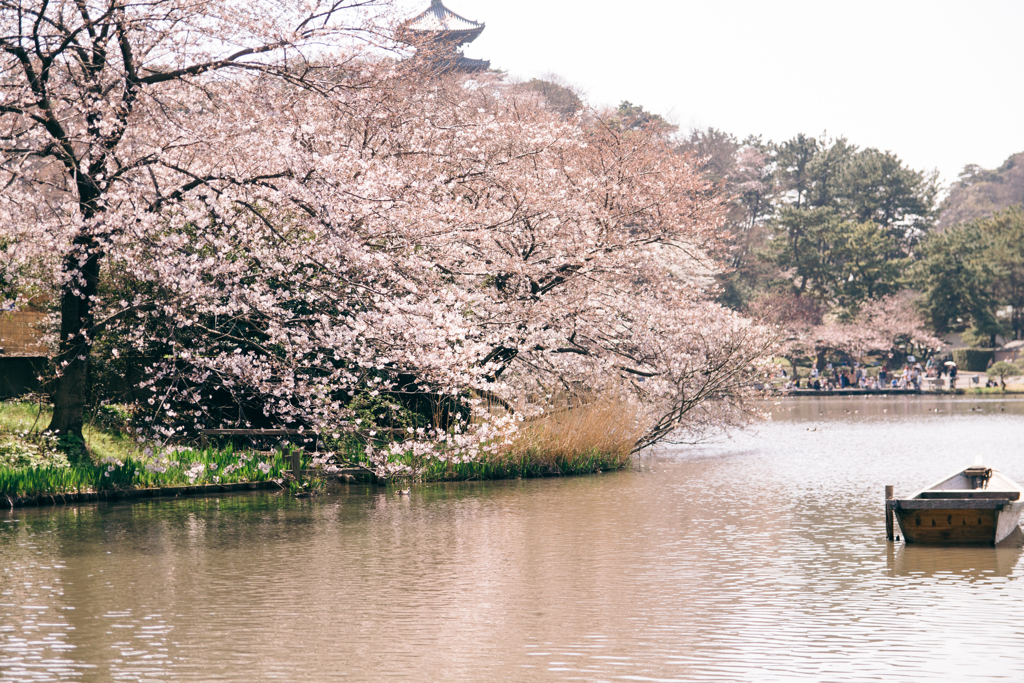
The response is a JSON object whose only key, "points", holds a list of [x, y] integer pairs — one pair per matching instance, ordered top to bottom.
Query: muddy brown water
{"points": [[758, 558]]}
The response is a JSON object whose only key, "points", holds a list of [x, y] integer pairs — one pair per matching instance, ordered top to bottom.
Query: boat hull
{"points": [[979, 522]]}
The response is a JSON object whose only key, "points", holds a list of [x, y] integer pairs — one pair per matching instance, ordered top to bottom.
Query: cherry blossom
{"points": [[279, 219]]}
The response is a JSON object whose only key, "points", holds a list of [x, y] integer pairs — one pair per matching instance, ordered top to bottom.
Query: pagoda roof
{"points": [[438, 20]]}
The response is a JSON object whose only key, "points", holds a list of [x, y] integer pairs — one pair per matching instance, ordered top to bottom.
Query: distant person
{"points": [[883, 374], [952, 376], [817, 385]]}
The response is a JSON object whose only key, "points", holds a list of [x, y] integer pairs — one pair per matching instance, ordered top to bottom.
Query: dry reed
{"points": [[605, 425]]}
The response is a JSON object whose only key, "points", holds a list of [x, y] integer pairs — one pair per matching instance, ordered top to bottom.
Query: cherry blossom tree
{"points": [[84, 87], [285, 228], [881, 326]]}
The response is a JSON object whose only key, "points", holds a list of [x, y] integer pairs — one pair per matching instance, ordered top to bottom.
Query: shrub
{"points": [[973, 359], [1002, 370], [113, 418], [24, 449]]}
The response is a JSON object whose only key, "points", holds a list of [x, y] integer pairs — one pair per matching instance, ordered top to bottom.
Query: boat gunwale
{"points": [[1014, 487], [950, 503]]}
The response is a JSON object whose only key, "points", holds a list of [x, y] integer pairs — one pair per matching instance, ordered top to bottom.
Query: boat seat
{"points": [[976, 493]]}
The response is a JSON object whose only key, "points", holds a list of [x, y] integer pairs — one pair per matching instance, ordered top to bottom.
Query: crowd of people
{"points": [[910, 376]]}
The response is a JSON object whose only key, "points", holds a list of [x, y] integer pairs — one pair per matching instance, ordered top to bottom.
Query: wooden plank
{"points": [[254, 432], [297, 464], [974, 494], [948, 504], [888, 514], [948, 526]]}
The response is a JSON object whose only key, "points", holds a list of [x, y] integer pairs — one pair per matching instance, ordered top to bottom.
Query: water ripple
{"points": [[761, 558]]}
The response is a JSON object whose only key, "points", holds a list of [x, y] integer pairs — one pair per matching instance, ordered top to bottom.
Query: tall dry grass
{"points": [[606, 426], [578, 436]]}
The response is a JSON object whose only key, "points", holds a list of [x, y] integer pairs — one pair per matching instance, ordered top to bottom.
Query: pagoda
{"points": [[445, 32]]}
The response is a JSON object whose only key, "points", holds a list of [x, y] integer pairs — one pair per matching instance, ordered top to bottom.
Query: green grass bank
{"points": [[35, 469]]}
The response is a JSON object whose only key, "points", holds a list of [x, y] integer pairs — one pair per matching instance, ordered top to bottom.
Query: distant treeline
{"points": [[834, 226]]}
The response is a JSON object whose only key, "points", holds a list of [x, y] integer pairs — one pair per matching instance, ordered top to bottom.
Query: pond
{"points": [[758, 558]]}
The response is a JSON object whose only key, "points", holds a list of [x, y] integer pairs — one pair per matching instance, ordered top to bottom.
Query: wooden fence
{"points": [[21, 333]]}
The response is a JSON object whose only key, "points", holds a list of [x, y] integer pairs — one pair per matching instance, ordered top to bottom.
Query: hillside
{"points": [[980, 192]]}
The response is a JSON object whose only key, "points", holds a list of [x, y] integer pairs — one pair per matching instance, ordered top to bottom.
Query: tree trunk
{"points": [[76, 320]]}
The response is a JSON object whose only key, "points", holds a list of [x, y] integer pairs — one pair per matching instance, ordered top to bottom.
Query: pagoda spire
{"points": [[445, 31]]}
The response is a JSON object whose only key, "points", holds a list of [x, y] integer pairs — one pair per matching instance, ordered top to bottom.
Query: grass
{"points": [[993, 391], [27, 420], [586, 438], [33, 462], [523, 466], [189, 468]]}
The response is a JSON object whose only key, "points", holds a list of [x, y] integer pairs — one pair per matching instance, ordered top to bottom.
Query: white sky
{"points": [[939, 83]]}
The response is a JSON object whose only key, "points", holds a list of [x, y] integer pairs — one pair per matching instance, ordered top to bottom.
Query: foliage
{"points": [[557, 96], [631, 116], [745, 170], [979, 193], [846, 220], [823, 221], [840, 264], [969, 272], [890, 326], [981, 336], [972, 360], [1003, 369], [113, 418], [23, 421], [607, 424], [27, 449], [35, 462], [525, 465], [182, 468]]}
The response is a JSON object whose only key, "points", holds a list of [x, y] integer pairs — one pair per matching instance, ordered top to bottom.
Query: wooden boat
{"points": [[976, 505]]}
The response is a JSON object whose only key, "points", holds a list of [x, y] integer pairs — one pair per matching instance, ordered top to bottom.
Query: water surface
{"points": [[759, 558]]}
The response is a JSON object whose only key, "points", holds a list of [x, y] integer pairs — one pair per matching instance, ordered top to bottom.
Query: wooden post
{"points": [[296, 463], [888, 514]]}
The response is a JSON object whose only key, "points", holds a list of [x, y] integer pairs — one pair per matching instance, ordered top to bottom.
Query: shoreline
{"points": [[959, 391], [341, 477], [8, 502]]}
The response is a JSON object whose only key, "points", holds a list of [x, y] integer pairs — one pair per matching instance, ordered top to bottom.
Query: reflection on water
{"points": [[760, 558], [971, 563]]}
